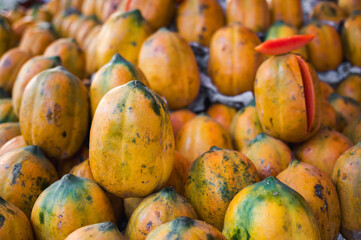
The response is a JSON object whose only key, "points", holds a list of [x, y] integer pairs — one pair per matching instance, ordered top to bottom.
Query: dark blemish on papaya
{"points": [[202, 7], [204, 29], [134, 44], [293, 97], [49, 115], [271, 121], [64, 134], [137, 134], [133, 140], [225, 157], [16, 172], [42, 183], [318, 190], [30, 198], [89, 198], [326, 206], [322, 209], [10, 211], [41, 217], [2, 220], [149, 225], [298, 226], [106, 227], [209, 237]]}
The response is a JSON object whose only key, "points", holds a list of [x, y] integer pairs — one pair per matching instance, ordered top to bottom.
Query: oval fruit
{"points": [[171, 69], [54, 113], [128, 118], [200, 134], [25, 173], [214, 179], [156, 209], [270, 210], [53, 213]]}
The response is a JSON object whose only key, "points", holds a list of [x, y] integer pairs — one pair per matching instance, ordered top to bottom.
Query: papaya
{"points": [[288, 11], [328, 11], [158, 13], [253, 14], [198, 20], [122, 33], [6, 35], [350, 37], [37, 38], [326, 38], [71, 55], [233, 61], [10, 65], [30, 69], [172, 72], [115, 73], [351, 87], [54, 113], [223, 114], [128, 118], [245, 126], [200, 134], [323, 149], [269, 155], [25, 173], [346, 178], [214, 179], [320, 194], [156, 209], [270, 210], [53, 213], [14, 224], [185, 228], [98, 231]]}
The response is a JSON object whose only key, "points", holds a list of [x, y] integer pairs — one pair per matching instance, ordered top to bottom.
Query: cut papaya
{"points": [[284, 45], [308, 91]]}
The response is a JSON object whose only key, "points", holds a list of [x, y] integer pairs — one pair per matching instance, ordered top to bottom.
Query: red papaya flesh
{"points": [[284, 45], [308, 91]]}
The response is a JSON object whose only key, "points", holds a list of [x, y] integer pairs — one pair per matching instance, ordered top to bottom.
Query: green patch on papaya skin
{"points": [[136, 17], [119, 59], [149, 94], [259, 138], [69, 189], [168, 194], [41, 217], [106, 227], [179, 227]]}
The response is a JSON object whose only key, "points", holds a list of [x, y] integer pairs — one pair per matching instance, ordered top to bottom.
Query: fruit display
{"points": [[180, 119]]}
